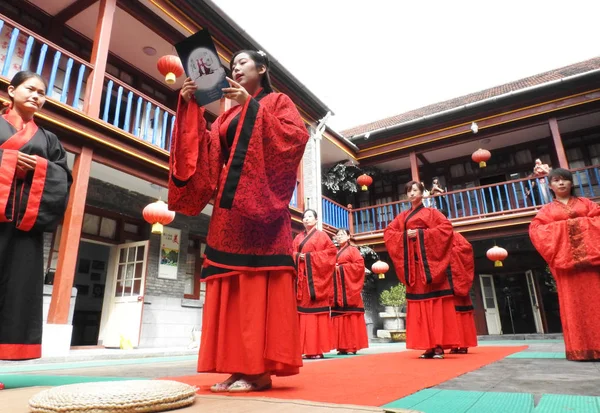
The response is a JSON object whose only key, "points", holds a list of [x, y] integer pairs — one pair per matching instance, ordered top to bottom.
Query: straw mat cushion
{"points": [[135, 396]]}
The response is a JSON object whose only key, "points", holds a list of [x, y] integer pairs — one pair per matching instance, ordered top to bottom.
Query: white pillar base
{"points": [[56, 340]]}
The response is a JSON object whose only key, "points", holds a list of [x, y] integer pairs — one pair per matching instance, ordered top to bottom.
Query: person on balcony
{"points": [[248, 163], [34, 190], [436, 193], [566, 233], [419, 241], [314, 254], [462, 273], [349, 329]]}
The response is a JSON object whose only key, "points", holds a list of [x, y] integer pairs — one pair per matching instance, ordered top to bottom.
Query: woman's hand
{"points": [[188, 89], [236, 92], [25, 162], [411, 233], [301, 256]]}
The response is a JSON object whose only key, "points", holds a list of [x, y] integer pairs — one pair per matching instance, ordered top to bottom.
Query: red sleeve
{"points": [[277, 145], [196, 160], [8, 166], [393, 237], [567, 244], [434, 247], [320, 265], [462, 265], [354, 274]]}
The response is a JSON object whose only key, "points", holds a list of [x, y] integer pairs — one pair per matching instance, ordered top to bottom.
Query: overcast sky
{"points": [[368, 60]]}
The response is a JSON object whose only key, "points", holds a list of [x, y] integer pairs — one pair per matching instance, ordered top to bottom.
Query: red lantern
{"points": [[170, 67], [481, 156], [364, 181], [158, 214], [497, 254], [380, 268], [1, 386]]}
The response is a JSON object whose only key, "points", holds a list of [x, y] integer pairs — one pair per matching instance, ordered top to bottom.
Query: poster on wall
{"points": [[169, 253]]}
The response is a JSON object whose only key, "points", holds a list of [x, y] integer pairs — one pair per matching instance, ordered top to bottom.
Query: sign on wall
{"points": [[169, 253]]}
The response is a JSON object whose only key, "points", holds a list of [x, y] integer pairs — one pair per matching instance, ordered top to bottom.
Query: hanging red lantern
{"points": [[170, 67], [481, 156], [364, 181], [158, 214], [497, 254], [380, 268]]}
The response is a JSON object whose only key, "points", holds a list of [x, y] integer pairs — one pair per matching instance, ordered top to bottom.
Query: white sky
{"points": [[368, 60]]}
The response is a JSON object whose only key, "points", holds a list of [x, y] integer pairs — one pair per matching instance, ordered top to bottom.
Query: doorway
{"points": [[90, 281], [514, 304]]}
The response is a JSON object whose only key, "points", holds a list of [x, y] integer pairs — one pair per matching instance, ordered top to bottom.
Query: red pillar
{"points": [[95, 82], [558, 145], [414, 167], [69, 240]]}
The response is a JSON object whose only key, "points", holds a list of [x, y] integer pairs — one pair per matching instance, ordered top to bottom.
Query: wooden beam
{"points": [[71, 11], [151, 20], [95, 82], [558, 145], [423, 160], [414, 167], [69, 240]]}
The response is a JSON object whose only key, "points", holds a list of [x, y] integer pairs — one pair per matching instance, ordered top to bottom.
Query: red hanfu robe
{"points": [[248, 162], [30, 204], [567, 237], [421, 265], [462, 272], [314, 289], [349, 330]]}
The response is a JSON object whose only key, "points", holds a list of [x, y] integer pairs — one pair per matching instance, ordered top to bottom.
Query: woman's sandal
{"points": [[454, 350], [463, 350], [438, 353], [427, 355], [224, 385], [245, 386]]}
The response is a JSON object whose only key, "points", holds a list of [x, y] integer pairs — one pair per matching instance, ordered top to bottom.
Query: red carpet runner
{"points": [[370, 380]]}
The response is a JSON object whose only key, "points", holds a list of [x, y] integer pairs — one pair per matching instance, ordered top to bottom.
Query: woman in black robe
{"points": [[34, 188]]}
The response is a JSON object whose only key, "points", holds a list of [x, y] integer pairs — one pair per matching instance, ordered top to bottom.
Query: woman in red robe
{"points": [[248, 162], [34, 188], [566, 233], [419, 242], [314, 254], [462, 270], [349, 330]]}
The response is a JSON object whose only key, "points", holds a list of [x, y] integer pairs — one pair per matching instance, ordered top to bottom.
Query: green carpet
{"points": [[538, 355], [23, 368], [15, 381], [458, 401]]}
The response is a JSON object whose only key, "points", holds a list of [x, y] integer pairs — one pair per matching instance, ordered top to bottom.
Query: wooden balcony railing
{"points": [[22, 49], [123, 106], [487, 201]]}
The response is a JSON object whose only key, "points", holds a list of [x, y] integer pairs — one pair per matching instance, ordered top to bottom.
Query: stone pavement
{"points": [[539, 370]]}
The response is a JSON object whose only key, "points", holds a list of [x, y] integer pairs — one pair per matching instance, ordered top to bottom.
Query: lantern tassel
{"points": [[170, 78], [482, 164], [364, 187], [157, 228], [498, 264], [381, 276]]}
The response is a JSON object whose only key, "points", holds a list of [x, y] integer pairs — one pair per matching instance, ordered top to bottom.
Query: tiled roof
{"points": [[538, 79]]}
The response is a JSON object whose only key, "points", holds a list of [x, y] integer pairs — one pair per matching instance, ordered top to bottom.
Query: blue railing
{"points": [[24, 50], [122, 106], [136, 113], [481, 202], [334, 214]]}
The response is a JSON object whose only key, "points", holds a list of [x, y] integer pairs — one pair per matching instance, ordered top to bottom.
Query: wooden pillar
{"points": [[95, 82], [558, 145], [414, 167], [350, 220], [69, 240]]}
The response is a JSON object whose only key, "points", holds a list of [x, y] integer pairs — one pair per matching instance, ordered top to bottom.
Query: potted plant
{"points": [[395, 298]]}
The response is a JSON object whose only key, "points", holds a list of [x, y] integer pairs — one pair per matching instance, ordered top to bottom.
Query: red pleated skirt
{"points": [[431, 323], [250, 325], [466, 329], [349, 332], [315, 333]]}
